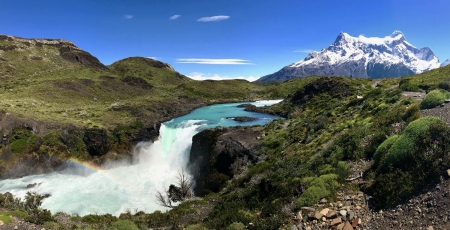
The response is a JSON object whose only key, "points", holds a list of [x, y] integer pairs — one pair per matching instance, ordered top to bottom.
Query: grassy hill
{"points": [[54, 81]]}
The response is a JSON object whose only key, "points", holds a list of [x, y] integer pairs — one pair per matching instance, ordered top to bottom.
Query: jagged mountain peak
{"points": [[396, 33], [361, 56], [446, 62]]}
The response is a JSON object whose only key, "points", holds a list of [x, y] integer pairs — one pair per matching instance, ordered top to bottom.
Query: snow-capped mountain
{"points": [[362, 57], [446, 62]]}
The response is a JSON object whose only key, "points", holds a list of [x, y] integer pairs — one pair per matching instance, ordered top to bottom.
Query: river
{"points": [[85, 189]]}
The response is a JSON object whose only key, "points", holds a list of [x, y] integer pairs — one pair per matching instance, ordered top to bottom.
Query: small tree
{"points": [[180, 192]]}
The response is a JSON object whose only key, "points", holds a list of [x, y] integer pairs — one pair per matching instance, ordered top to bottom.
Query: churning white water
{"points": [[131, 187]]}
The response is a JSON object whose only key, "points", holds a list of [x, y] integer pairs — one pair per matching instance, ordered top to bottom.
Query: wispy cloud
{"points": [[128, 16], [175, 17], [213, 18], [303, 51], [154, 58], [212, 61], [201, 77]]}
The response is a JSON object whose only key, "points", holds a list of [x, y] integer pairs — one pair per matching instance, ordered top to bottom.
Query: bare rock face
{"points": [[74, 54], [97, 142], [219, 154]]}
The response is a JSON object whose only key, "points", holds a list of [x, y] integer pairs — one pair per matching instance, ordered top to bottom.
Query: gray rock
{"points": [[343, 213], [351, 214], [293, 227]]}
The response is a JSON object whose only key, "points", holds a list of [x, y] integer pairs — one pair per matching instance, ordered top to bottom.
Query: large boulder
{"points": [[219, 154]]}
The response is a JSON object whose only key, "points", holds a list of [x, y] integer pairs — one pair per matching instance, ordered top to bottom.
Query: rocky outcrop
{"points": [[74, 54], [96, 141], [221, 153]]}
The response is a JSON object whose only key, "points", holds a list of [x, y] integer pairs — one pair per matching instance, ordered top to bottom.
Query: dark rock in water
{"points": [[244, 105], [243, 118], [221, 153], [32, 185], [46, 195]]}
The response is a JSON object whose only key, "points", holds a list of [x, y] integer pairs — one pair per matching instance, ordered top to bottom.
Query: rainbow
{"points": [[92, 168]]}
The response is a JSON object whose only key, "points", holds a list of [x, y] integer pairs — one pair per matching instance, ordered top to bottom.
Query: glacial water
{"points": [[86, 189]]}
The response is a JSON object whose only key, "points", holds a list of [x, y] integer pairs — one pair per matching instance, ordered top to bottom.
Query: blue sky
{"points": [[223, 38]]}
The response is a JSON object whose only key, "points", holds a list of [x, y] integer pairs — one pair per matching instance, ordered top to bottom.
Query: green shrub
{"points": [[445, 84], [406, 85], [433, 99], [19, 146], [383, 148], [401, 149], [322, 187], [123, 225], [236, 226], [196, 227]]}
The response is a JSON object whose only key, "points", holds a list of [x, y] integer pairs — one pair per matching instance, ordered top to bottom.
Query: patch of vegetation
{"points": [[434, 98], [427, 160]]}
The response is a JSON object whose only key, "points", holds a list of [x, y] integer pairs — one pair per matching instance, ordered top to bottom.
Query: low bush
{"points": [[445, 84], [434, 98], [425, 146], [383, 148], [401, 149], [321, 187], [123, 225]]}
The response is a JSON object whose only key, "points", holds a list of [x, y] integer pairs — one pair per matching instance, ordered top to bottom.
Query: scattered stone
{"points": [[64, 114], [323, 201], [308, 209], [325, 211], [343, 212], [331, 214], [351, 214], [315, 215], [300, 216], [336, 221], [355, 222], [1, 223], [340, 226], [347, 226], [16, 227], [293, 227], [430, 228]]}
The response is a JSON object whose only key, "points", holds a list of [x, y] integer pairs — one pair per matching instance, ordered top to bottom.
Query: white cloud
{"points": [[128, 16], [175, 17], [213, 18], [303, 51], [154, 58], [212, 61], [201, 77]]}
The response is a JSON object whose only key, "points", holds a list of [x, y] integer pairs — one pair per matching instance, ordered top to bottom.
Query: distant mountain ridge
{"points": [[362, 57], [446, 62]]}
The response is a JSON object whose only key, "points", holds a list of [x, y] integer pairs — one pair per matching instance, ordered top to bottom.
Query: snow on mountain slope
{"points": [[391, 56], [446, 62]]}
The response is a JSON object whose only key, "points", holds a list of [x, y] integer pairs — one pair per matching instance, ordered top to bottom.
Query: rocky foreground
{"points": [[356, 210]]}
